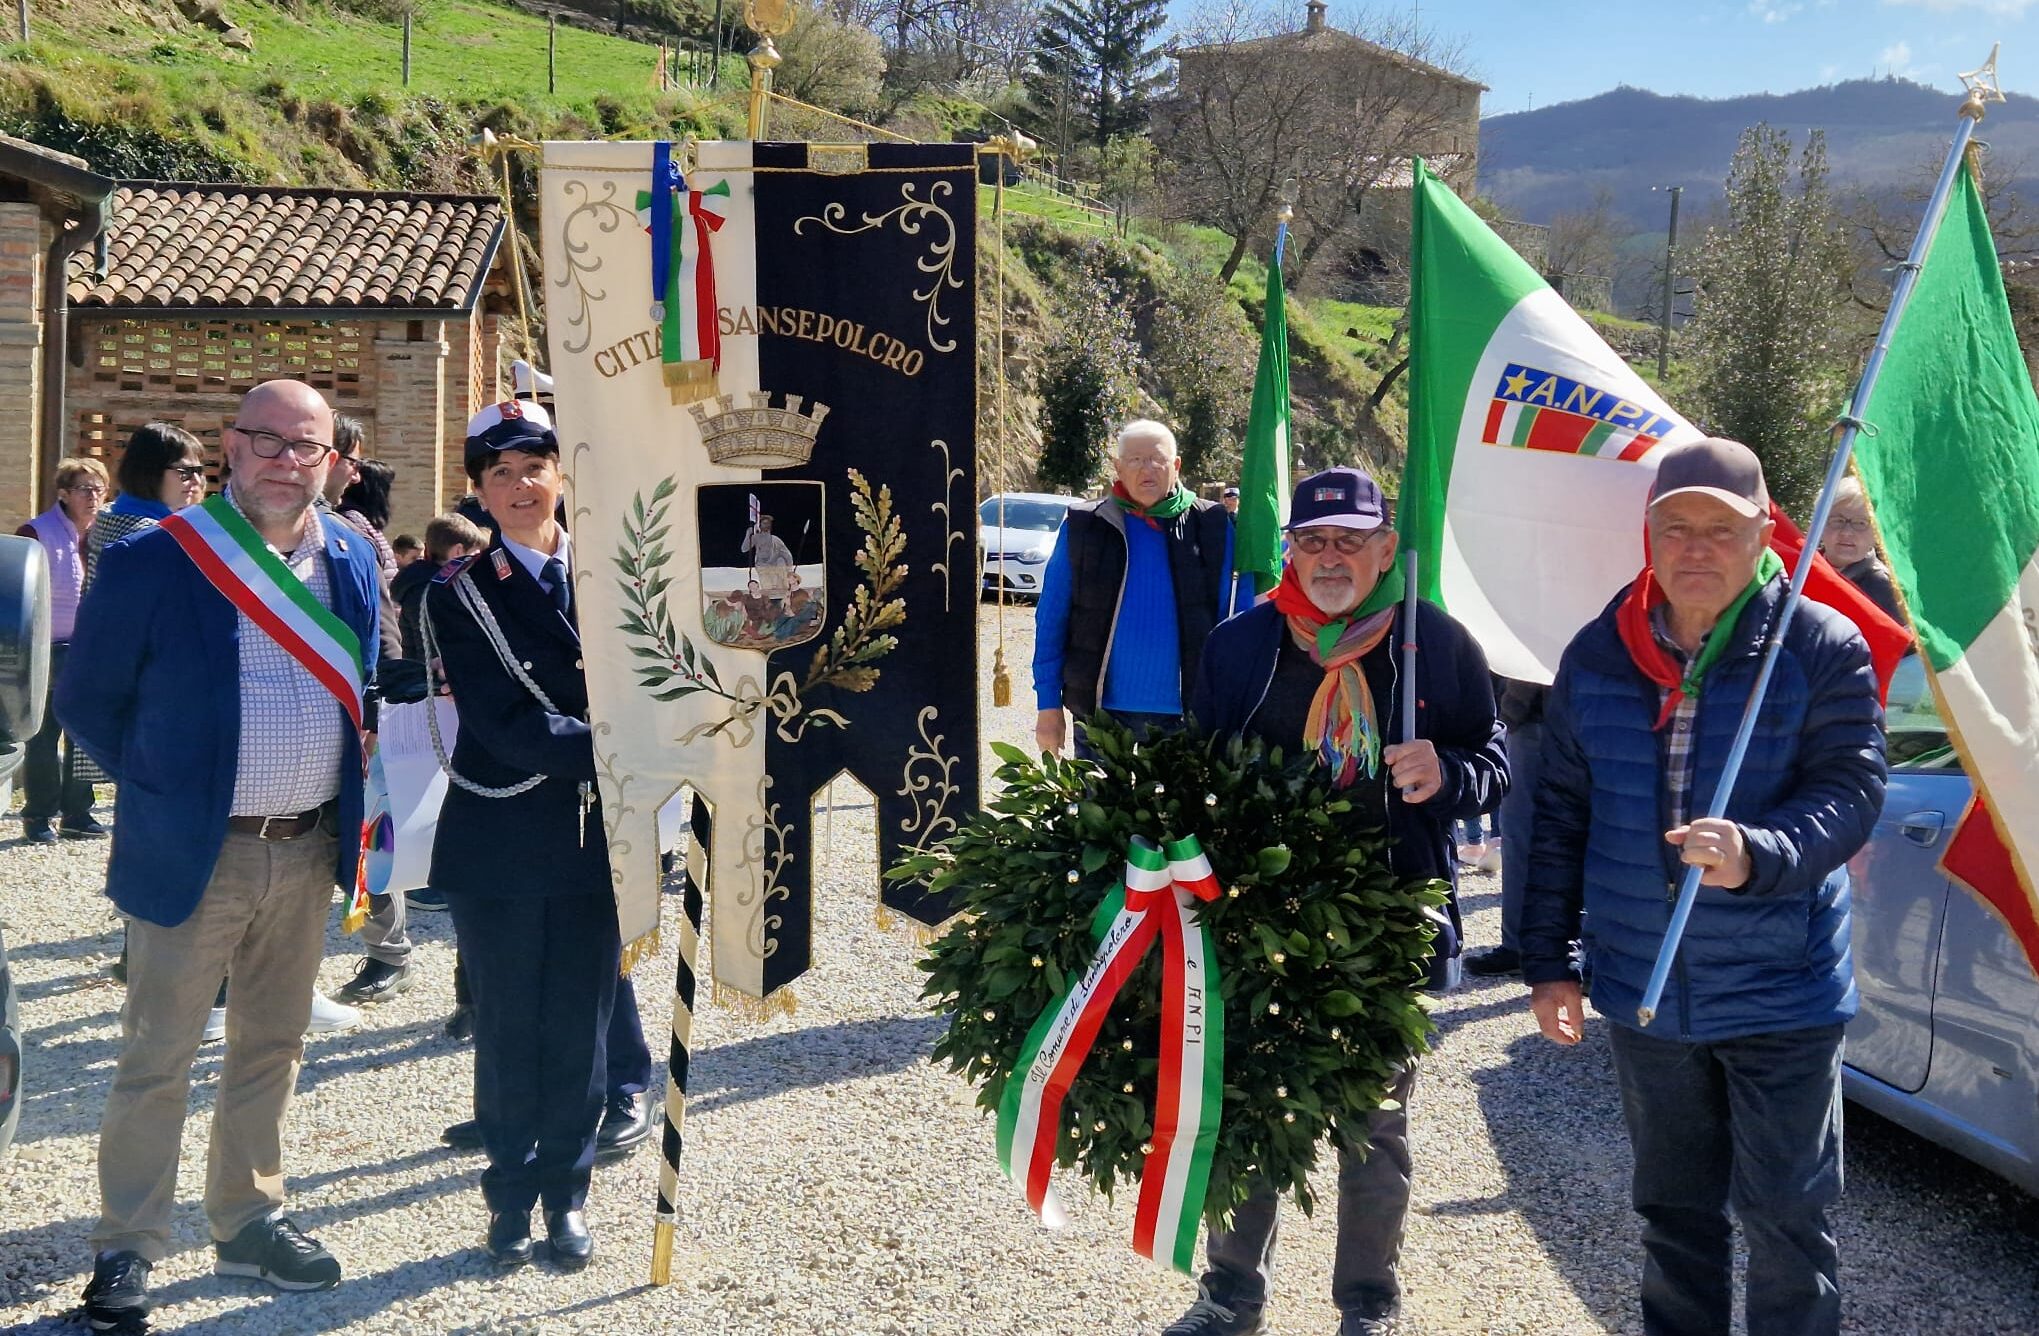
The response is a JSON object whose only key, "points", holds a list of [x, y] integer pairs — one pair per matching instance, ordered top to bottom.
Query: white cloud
{"points": [[2008, 8], [1774, 11], [1896, 58]]}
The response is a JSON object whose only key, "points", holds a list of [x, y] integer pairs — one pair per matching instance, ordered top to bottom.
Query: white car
{"points": [[1016, 536]]}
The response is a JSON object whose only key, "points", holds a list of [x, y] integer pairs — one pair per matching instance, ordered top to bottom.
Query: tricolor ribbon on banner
{"points": [[683, 276], [1163, 888]]}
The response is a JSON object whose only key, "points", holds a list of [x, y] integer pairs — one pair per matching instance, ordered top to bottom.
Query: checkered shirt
{"points": [[293, 733], [1678, 758]]}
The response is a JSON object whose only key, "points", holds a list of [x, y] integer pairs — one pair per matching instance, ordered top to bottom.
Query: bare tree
{"points": [[1260, 101], [1884, 229]]}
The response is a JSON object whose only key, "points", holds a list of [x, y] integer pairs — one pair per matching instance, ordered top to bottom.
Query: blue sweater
{"points": [[1144, 673]]}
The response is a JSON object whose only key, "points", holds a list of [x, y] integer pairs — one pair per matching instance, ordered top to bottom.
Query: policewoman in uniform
{"points": [[520, 852]]}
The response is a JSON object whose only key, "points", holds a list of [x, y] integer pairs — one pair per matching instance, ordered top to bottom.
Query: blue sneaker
{"points": [[426, 900]]}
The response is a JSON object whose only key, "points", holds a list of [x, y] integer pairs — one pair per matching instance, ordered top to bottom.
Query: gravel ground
{"points": [[835, 1182]]}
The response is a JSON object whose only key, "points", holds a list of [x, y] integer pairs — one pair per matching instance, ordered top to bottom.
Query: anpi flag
{"points": [[1530, 444], [1532, 447], [1953, 469]]}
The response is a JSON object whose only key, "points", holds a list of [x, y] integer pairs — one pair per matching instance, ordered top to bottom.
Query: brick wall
{"points": [[24, 242], [411, 398]]}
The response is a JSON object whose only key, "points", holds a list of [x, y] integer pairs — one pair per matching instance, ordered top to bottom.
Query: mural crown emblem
{"points": [[759, 435]]}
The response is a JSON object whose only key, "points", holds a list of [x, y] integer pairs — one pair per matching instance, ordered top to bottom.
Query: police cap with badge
{"points": [[514, 424]]}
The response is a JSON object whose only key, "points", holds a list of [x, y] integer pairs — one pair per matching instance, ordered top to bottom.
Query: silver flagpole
{"points": [[1982, 89]]}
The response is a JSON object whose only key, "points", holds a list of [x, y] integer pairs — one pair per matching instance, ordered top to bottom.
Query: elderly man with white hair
{"points": [[1138, 579]]}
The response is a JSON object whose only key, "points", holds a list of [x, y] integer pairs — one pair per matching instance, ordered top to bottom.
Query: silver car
{"points": [[1016, 536], [1947, 1041]]}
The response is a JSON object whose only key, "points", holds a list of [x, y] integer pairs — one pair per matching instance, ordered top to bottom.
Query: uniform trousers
{"points": [[543, 972]]}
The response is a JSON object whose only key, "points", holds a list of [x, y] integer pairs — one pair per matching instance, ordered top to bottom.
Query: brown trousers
{"points": [[262, 920]]}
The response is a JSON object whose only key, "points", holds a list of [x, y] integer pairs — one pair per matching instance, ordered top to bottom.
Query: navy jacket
{"points": [[152, 692], [1454, 710], [531, 844], [1771, 955]]}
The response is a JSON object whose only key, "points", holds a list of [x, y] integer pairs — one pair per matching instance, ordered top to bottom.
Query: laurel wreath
{"points": [[672, 668], [1321, 949]]}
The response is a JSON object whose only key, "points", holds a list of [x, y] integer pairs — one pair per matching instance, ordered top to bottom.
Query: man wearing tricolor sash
{"points": [[1318, 666], [217, 677], [1732, 1091]]}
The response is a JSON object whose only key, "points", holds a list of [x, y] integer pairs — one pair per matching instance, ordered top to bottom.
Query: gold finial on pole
{"points": [[768, 19], [1981, 83]]}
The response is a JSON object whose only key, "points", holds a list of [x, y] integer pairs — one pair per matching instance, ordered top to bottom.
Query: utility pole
{"points": [[21, 9], [407, 48], [551, 52], [715, 74], [1670, 254]]}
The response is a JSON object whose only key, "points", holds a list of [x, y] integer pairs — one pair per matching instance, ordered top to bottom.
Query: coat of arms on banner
{"points": [[766, 375]]}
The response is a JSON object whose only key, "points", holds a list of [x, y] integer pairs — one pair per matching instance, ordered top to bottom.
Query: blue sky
{"points": [[1544, 51]]}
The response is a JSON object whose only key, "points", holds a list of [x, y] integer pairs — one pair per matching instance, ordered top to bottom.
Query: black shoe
{"points": [[82, 828], [38, 832], [426, 900], [1493, 962], [375, 981], [460, 1025], [626, 1124], [463, 1135], [509, 1241], [572, 1245], [279, 1252], [117, 1296], [1208, 1317]]}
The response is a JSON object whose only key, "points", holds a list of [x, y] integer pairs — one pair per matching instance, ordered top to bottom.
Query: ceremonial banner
{"points": [[765, 362], [1532, 448], [1952, 468]]}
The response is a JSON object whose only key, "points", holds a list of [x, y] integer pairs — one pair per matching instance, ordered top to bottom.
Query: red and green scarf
{"points": [[1167, 508], [1658, 664], [1343, 727]]}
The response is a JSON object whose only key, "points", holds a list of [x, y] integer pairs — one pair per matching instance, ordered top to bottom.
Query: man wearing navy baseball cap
{"points": [[1316, 665]]}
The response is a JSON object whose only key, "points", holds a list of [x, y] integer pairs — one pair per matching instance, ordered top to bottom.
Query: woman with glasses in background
{"points": [[161, 469], [1850, 543], [48, 793]]}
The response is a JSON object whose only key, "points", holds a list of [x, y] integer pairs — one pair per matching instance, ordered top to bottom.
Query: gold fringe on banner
{"points": [[690, 382], [923, 935], [637, 952], [755, 1009]]}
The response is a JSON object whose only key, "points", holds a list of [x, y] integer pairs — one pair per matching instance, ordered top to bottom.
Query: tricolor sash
{"points": [[684, 300], [239, 563], [1163, 887]]}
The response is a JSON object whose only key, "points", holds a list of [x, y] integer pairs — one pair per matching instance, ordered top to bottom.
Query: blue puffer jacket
{"points": [[1771, 955]]}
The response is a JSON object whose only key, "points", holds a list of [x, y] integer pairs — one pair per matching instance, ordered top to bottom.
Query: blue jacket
{"points": [[152, 692], [1454, 710], [535, 843], [1771, 955]]}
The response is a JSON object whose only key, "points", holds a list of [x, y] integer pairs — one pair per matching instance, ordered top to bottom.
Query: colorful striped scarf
{"points": [[1343, 727]]}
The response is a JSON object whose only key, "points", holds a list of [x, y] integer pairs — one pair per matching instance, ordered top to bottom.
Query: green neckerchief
{"points": [[1167, 508], [1723, 631]]}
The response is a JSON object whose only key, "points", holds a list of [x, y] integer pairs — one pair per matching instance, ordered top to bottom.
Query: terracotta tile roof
{"points": [[178, 245]]}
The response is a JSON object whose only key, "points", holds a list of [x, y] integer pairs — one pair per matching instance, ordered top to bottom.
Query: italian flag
{"points": [[1532, 444], [1532, 447], [1264, 462], [1951, 465]]}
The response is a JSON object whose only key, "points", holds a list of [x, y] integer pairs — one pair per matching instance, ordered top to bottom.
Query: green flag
{"points": [[1952, 468], [1264, 472]]}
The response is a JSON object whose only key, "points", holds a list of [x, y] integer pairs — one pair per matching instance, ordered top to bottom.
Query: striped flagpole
{"points": [[677, 1056]]}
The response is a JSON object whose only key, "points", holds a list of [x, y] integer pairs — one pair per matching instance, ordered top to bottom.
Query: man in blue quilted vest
{"points": [[1732, 1094]]}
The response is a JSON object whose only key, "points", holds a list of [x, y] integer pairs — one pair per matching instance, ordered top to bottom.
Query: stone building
{"points": [[177, 297]]}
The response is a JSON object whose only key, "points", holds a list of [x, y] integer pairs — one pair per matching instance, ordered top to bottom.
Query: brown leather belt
{"points": [[277, 827]]}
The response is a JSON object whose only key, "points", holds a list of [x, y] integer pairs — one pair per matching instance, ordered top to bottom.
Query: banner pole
{"points": [[1972, 111], [679, 1054]]}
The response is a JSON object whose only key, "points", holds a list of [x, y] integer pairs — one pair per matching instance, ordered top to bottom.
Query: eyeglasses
{"points": [[269, 445], [192, 472], [87, 488], [1841, 524], [1348, 541]]}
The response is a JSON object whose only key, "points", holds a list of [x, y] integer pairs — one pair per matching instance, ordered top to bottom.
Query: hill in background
{"points": [[1883, 137]]}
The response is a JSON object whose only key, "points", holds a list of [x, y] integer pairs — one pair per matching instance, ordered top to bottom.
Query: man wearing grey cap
{"points": [[1732, 1094]]}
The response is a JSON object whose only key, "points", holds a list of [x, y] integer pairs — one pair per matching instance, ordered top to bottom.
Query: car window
{"points": [[1025, 513], [1914, 736]]}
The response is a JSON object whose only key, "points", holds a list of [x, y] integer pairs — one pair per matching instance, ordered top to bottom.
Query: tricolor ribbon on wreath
{"points": [[683, 299], [1164, 886]]}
